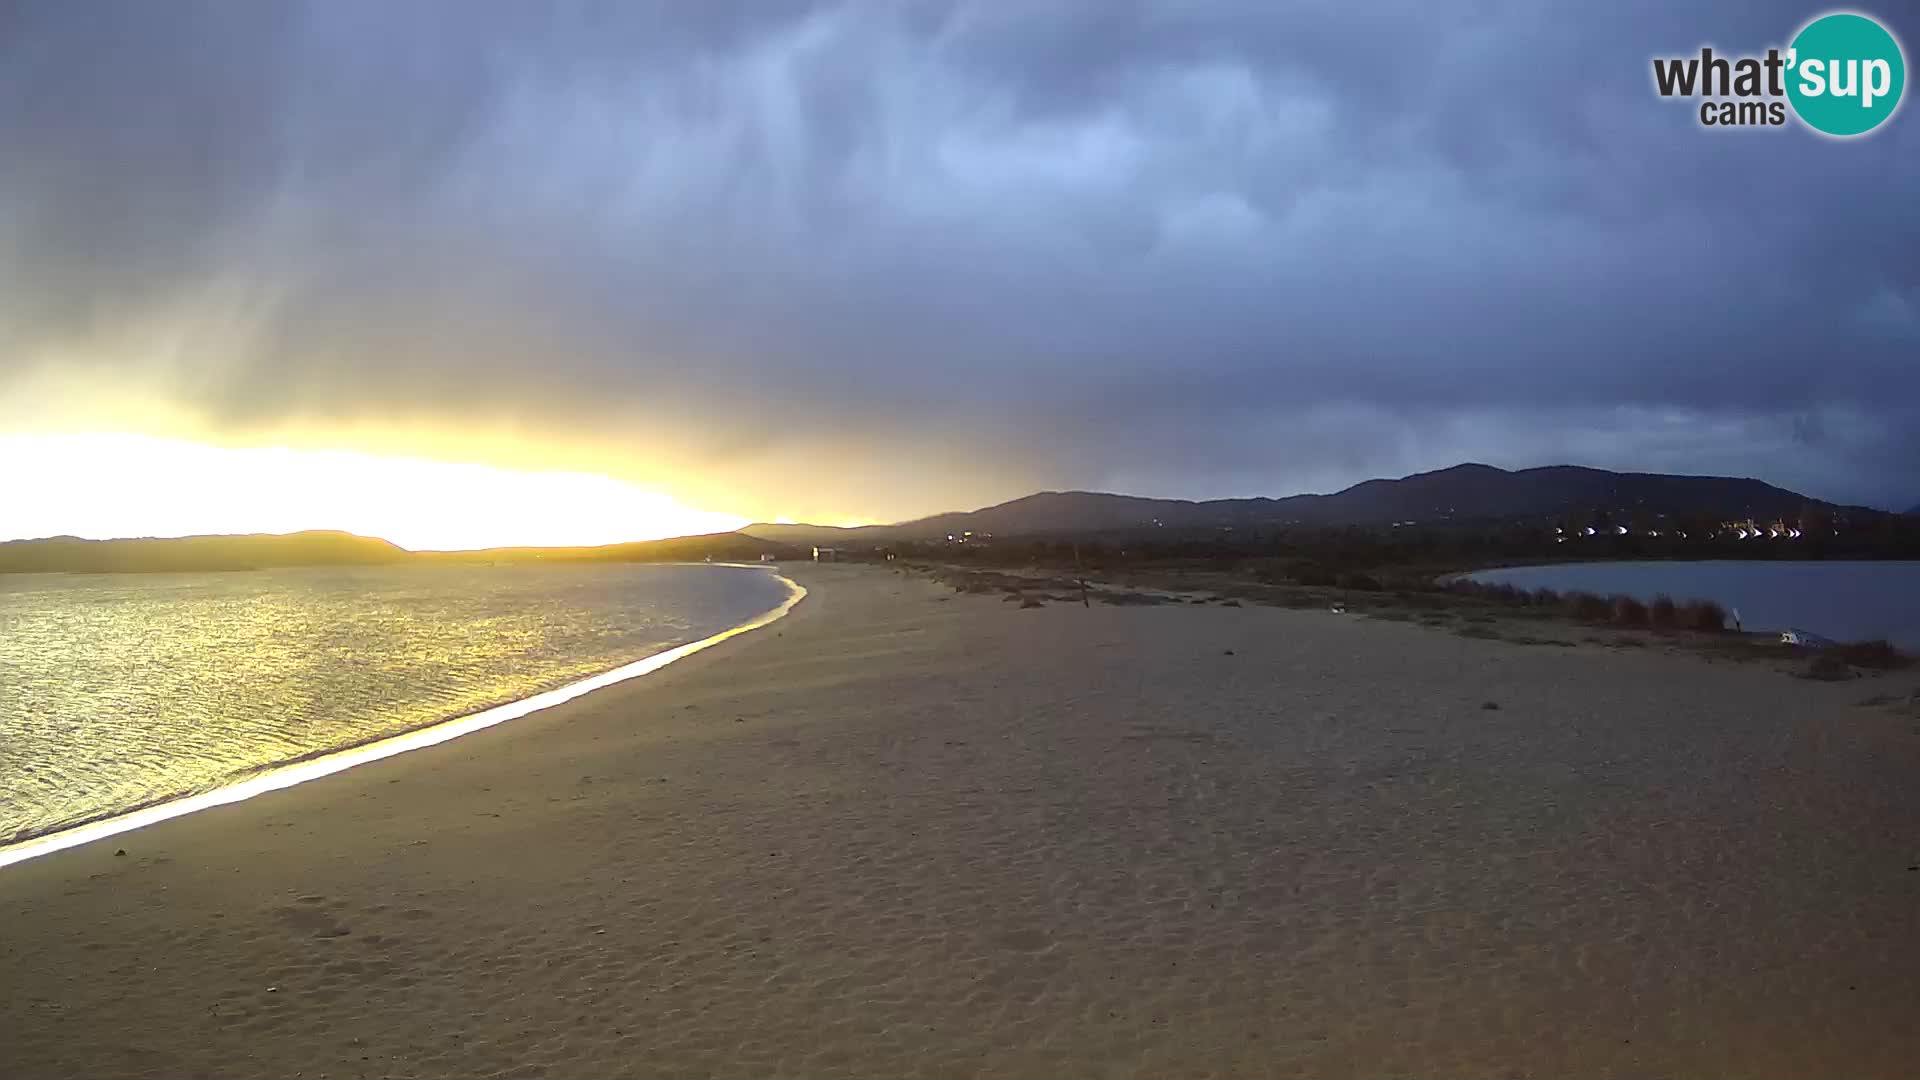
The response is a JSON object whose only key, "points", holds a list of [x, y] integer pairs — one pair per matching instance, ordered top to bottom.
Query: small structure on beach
{"points": [[821, 554]]}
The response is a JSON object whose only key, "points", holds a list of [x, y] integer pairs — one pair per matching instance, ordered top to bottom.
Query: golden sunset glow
{"points": [[116, 485]]}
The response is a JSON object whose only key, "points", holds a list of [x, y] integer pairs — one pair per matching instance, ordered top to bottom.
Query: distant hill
{"points": [[1462, 493], [720, 547], [70, 554], [172, 554]]}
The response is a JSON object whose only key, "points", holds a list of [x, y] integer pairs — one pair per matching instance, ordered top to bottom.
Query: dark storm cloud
{"points": [[1196, 249]]}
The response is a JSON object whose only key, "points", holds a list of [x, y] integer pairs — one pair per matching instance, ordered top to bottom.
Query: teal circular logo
{"points": [[1845, 74]]}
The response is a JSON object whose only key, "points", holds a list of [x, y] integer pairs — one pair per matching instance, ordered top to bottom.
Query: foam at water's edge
{"points": [[326, 765]]}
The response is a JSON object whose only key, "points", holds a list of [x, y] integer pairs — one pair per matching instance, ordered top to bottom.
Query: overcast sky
{"points": [[871, 260]]}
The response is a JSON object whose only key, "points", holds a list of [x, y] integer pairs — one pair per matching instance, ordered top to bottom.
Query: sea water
{"points": [[1846, 601], [120, 691]]}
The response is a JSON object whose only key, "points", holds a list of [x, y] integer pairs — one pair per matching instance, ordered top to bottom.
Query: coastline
{"points": [[1763, 597], [320, 763], [914, 831]]}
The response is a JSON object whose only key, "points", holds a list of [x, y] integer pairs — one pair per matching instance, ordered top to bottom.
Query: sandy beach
{"points": [[907, 832]]}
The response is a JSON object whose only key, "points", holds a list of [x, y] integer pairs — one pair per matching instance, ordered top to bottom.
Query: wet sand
{"points": [[905, 832]]}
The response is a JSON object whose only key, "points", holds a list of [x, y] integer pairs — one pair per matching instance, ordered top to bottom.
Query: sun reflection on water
{"points": [[120, 691]]}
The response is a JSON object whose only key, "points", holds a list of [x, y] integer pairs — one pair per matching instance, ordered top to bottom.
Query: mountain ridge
{"points": [[1471, 491], [272, 551], [164, 554]]}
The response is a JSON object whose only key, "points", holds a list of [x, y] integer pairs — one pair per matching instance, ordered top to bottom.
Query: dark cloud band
{"points": [[1193, 249]]}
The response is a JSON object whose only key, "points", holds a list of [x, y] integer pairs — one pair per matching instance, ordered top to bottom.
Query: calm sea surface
{"points": [[1847, 601], [117, 691]]}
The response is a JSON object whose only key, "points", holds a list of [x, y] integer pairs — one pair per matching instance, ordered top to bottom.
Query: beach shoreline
{"points": [[325, 762], [912, 831]]}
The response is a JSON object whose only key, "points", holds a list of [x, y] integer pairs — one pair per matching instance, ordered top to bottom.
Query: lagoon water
{"points": [[1847, 601], [118, 691]]}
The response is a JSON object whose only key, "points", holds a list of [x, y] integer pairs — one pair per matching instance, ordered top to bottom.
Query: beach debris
{"points": [[1338, 609], [1229, 652], [1490, 705], [119, 852]]}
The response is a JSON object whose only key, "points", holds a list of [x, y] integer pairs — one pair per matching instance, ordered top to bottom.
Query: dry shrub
{"points": [[1314, 575], [1585, 605], [1629, 612], [1663, 613], [1703, 615], [1879, 655], [1837, 662], [1827, 666]]}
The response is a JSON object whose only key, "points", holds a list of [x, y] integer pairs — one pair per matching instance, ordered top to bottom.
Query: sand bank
{"points": [[907, 832]]}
